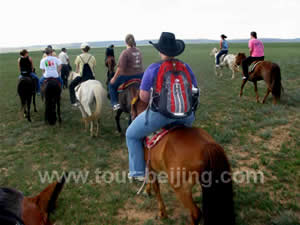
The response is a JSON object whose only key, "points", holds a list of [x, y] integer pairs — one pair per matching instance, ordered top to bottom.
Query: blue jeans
{"points": [[222, 52], [58, 78], [36, 79], [113, 88], [138, 130]]}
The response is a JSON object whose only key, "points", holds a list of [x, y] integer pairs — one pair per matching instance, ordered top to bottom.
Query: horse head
{"points": [[213, 52], [239, 58], [72, 76], [137, 106], [30, 210]]}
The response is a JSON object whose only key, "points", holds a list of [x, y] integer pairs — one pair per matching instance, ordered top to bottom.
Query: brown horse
{"points": [[267, 71], [190, 156], [17, 209]]}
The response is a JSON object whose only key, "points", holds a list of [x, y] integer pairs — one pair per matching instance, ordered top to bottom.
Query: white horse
{"points": [[225, 61], [89, 93]]}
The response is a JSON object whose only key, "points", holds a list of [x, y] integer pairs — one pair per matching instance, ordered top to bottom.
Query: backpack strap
{"points": [[83, 60]]}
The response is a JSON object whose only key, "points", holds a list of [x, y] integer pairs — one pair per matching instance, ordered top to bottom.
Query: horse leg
{"points": [[242, 87], [256, 92], [268, 92], [28, 108], [117, 118], [92, 128], [97, 128], [184, 194], [161, 205]]}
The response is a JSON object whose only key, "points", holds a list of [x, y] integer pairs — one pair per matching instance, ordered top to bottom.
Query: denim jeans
{"points": [[222, 52], [58, 78], [36, 79], [113, 88], [138, 129]]}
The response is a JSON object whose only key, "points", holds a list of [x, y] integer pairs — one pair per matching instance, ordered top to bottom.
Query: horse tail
{"points": [[276, 85], [52, 93], [99, 94], [217, 202]]}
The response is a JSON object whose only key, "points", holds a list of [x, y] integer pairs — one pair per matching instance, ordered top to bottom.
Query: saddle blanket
{"points": [[253, 65], [125, 85], [154, 138]]}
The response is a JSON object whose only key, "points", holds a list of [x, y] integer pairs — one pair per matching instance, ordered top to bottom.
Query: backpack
{"points": [[87, 73], [172, 91]]}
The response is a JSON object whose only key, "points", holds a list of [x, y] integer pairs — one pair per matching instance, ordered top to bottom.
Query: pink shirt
{"points": [[257, 47]]}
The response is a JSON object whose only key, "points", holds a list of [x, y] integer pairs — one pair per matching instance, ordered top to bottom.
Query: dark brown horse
{"points": [[110, 63], [267, 71], [27, 90], [125, 97], [190, 156], [14, 207]]}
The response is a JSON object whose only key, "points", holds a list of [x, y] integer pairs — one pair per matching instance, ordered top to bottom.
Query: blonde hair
{"points": [[130, 40]]}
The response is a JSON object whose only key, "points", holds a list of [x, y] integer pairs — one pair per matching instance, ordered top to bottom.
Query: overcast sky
{"points": [[31, 22]]}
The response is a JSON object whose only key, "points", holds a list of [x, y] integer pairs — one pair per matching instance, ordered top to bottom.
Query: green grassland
{"points": [[254, 136]]}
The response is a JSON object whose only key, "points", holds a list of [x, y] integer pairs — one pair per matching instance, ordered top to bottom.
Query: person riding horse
{"points": [[223, 49], [256, 49], [109, 53], [85, 66], [130, 66], [51, 67], [27, 69], [65, 69], [152, 120]]}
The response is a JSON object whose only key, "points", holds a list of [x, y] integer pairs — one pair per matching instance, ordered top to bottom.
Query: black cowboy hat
{"points": [[168, 45]]}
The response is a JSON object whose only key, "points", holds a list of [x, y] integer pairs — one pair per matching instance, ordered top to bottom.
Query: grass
{"points": [[255, 137]]}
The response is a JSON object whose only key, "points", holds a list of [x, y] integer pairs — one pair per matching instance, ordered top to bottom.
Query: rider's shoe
{"points": [[217, 66], [245, 78], [76, 104], [116, 107], [137, 178]]}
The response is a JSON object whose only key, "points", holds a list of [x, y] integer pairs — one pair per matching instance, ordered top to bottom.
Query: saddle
{"points": [[253, 65], [125, 85], [154, 138]]}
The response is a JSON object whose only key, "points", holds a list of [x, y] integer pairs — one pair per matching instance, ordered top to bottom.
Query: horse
{"points": [[227, 60], [110, 63], [267, 71], [26, 90], [51, 91], [88, 93], [125, 97], [187, 155], [18, 209]]}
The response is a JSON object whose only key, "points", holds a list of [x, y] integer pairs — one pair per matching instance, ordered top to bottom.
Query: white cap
{"points": [[84, 45]]}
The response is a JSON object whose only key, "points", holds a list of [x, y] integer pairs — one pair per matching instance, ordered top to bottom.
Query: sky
{"points": [[37, 22]]}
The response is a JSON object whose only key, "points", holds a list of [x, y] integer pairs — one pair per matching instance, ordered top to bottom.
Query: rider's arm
{"points": [[221, 44], [19, 64], [32, 68], [59, 68], [144, 96]]}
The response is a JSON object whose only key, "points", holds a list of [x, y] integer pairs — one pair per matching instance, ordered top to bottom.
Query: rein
{"points": [[147, 173]]}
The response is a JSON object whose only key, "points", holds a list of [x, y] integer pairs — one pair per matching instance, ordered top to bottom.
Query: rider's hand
{"points": [[112, 80]]}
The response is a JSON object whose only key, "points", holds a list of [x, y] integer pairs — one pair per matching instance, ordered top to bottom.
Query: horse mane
{"points": [[11, 201]]}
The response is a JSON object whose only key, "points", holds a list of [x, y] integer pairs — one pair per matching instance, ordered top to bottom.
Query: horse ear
{"points": [[46, 200]]}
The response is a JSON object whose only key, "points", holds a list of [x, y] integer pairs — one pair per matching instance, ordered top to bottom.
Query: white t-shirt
{"points": [[63, 57], [50, 64]]}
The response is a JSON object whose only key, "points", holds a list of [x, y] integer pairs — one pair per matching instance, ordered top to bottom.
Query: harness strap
{"points": [[147, 173]]}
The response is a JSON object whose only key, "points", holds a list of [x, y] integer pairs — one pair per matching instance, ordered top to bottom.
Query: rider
{"points": [[168, 48], [256, 48], [223, 49], [109, 52], [81, 60], [65, 62], [130, 66], [51, 67], [26, 68]]}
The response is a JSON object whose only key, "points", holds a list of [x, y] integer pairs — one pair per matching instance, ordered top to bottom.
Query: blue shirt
{"points": [[224, 45], [151, 73]]}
